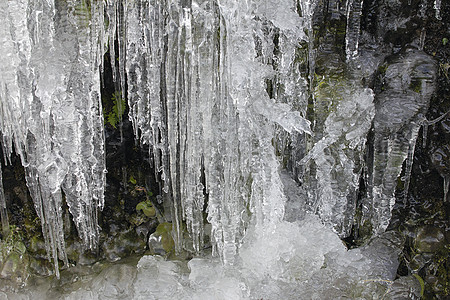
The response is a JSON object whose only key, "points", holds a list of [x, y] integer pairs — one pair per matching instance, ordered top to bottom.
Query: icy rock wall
{"points": [[343, 68], [221, 91], [50, 111], [329, 163]]}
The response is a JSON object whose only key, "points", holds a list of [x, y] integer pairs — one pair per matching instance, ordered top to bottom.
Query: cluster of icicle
{"points": [[196, 75], [197, 95], [50, 111]]}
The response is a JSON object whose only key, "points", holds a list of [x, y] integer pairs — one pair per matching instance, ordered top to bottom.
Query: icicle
{"points": [[437, 8], [354, 11], [422, 37], [192, 97], [399, 114], [345, 128], [424, 134], [409, 162], [446, 186], [3, 211]]}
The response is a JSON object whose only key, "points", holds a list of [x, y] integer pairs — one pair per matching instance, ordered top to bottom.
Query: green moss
{"points": [[382, 69], [416, 86], [132, 180], [147, 208], [164, 230], [13, 253], [422, 284]]}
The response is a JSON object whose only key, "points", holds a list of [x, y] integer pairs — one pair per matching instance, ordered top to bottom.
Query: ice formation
{"points": [[437, 7], [354, 10], [410, 81], [219, 90], [197, 96], [51, 111], [299, 260]]}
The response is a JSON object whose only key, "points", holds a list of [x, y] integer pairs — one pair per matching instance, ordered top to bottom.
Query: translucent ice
{"points": [[354, 10], [410, 82], [196, 94], [51, 110], [338, 154], [300, 260]]}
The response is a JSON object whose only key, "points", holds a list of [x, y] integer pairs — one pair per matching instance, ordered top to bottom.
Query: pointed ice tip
{"points": [[303, 125], [308, 130]]}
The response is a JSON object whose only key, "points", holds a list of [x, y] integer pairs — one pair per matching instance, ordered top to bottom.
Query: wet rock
{"points": [[440, 158], [429, 239], [161, 242], [123, 244], [77, 254], [419, 261], [41, 267], [15, 269], [405, 287]]}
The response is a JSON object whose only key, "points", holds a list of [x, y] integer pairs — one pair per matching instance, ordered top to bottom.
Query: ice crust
{"points": [[299, 260]]}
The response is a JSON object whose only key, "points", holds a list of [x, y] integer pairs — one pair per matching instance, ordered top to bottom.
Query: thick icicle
{"points": [[437, 8], [354, 10], [399, 109]]}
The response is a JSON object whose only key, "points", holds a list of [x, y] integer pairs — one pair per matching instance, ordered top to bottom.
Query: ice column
{"points": [[354, 10], [334, 164]]}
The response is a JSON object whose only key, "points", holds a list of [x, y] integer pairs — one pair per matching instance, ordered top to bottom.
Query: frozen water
{"points": [[437, 8], [354, 10], [219, 91], [197, 96], [51, 110], [399, 114], [339, 154], [300, 260]]}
